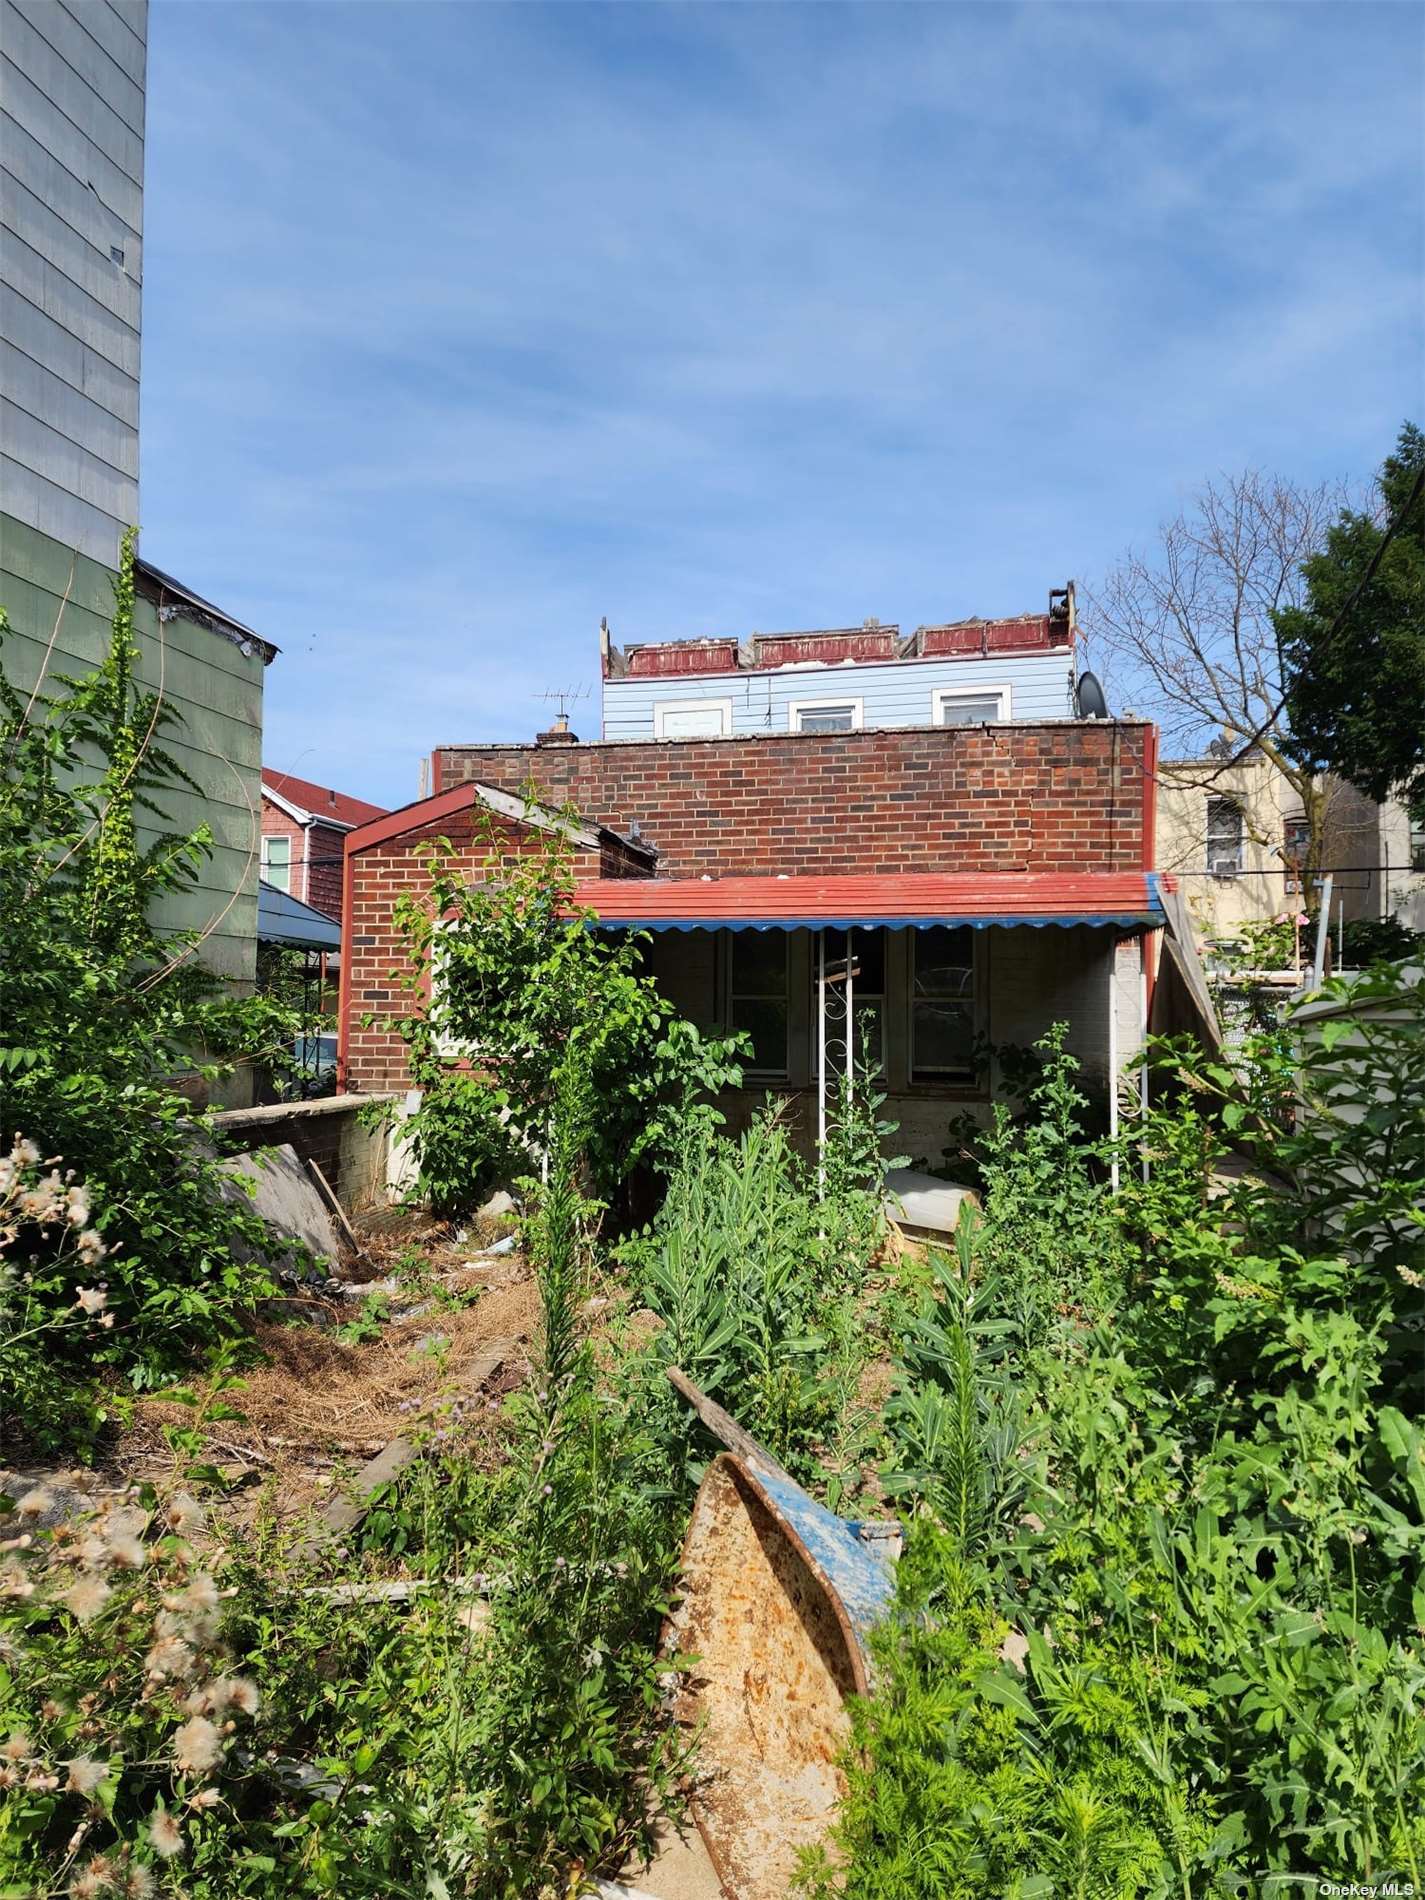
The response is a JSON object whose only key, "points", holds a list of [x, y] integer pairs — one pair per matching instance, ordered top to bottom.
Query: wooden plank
{"points": [[336, 1207], [724, 1428], [342, 1516]]}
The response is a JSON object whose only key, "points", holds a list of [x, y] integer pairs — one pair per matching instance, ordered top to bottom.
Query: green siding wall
{"points": [[209, 682]]}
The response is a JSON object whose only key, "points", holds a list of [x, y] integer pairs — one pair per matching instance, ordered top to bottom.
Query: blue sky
{"points": [[466, 324]]}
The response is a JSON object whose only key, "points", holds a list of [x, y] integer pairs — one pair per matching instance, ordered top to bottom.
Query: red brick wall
{"points": [[1042, 797], [376, 1057]]}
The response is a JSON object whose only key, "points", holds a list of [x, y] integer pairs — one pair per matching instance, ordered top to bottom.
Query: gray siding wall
{"points": [[71, 266], [214, 687], [898, 693]]}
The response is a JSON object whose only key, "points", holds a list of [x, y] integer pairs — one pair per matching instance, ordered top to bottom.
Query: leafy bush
{"points": [[517, 980], [100, 1012], [1049, 1229], [760, 1271], [1199, 1513]]}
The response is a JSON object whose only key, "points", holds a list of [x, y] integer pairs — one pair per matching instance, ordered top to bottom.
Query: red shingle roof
{"points": [[320, 801]]}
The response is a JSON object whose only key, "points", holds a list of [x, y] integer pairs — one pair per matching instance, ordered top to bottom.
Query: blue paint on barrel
{"points": [[860, 1570]]}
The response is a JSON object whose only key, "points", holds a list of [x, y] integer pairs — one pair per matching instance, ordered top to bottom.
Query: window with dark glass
{"points": [[827, 718], [1226, 836], [1296, 838], [867, 950], [758, 996], [942, 1007]]}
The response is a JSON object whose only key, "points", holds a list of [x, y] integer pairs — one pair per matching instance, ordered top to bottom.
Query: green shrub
{"points": [[517, 982], [99, 1012]]}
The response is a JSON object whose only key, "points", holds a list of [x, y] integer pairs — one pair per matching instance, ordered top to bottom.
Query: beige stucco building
{"points": [[1233, 838]]}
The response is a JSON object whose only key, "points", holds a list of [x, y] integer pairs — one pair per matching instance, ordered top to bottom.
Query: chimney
{"points": [[558, 733]]}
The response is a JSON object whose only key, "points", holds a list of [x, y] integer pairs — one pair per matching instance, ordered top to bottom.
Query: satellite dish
{"points": [[1089, 699]]}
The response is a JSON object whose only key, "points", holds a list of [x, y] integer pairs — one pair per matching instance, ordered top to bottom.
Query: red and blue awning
{"points": [[1120, 900]]}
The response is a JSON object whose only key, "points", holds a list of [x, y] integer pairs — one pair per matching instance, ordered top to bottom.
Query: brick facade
{"points": [[1070, 796], [374, 1058]]}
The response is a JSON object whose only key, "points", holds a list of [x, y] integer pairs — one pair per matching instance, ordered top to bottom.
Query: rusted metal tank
{"points": [[778, 1598]]}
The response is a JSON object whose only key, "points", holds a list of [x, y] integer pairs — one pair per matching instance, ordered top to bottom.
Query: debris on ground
{"points": [[288, 1199], [382, 1359], [778, 1599]]}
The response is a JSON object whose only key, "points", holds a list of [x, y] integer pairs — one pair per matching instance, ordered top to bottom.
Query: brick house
{"points": [[304, 832], [947, 884]]}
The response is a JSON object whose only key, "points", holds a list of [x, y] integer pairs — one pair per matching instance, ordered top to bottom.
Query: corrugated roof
{"points": [[1127, 899], [284, 919]]}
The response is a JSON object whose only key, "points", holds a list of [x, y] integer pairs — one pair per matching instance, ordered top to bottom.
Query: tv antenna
{"points": [[565, 697]]}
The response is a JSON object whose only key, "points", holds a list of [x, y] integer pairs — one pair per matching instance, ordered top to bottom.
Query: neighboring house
{"points": [[71, 194], [71, 267], [970, 672], [304, 830], [1235, 839], [983, 882]]}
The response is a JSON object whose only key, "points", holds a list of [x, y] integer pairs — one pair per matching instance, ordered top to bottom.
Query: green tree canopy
{"points": [[1354, 663]]}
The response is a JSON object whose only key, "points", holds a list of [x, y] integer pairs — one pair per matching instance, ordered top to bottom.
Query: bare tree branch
{"points": [[1191, 619]]}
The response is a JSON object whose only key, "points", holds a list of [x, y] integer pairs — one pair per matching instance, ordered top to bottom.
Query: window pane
{"points": [[969, 711], [826, 719], [694, 722], [1295, 833], [1224, 834], [277, 862], [868, 952], [945, 962], [759, 963], [765, 1021], [942, 1022], [943, 1036]]}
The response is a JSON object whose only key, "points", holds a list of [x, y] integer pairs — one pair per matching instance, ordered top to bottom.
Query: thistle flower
{"points": [[92, 1298], [35, 1502], [184, 1512], [126, 1552], [14, 1582], [198, 1599], [170, 1656], [243, 1695], [17, 1746], [197, 1746], [85, 1774], [166, 1835], [92, 1880], [139, 1883]]}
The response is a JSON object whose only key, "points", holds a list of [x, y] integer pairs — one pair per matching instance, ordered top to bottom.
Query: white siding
{"points": [[71, 197], [894, 693]]}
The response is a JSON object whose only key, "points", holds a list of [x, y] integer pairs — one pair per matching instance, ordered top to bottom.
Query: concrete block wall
{"points": [[349, 1151]]}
